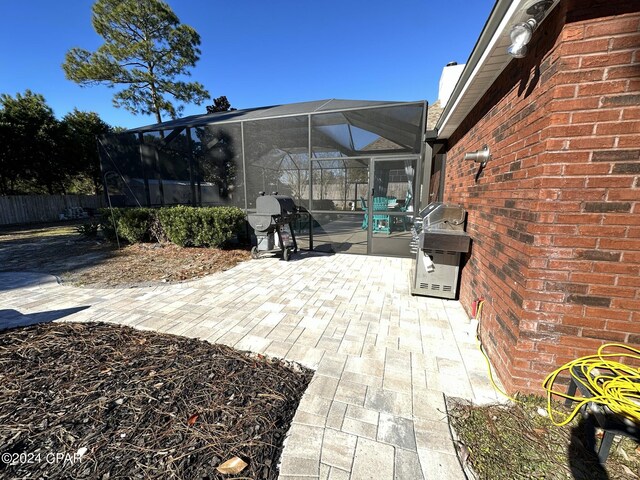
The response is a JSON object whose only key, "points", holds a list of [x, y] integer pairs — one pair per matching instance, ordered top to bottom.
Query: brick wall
{"points": [[555, 216]]}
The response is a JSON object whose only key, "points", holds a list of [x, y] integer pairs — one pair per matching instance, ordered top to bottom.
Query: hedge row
{"points": [[182, 225]]}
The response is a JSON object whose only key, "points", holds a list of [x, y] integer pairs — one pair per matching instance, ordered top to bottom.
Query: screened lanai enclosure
{"points": [[355, 168]]}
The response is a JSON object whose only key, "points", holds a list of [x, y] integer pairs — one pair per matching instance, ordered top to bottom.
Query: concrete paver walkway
{"points": [[383, 358]]}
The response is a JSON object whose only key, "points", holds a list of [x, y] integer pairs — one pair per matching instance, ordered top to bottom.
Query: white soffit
{"points": [[487, 61]]}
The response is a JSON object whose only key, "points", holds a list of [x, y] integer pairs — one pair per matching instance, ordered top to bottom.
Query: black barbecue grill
{"points": [[273, 220]]}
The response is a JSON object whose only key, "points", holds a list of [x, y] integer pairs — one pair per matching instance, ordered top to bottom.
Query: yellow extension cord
{"points": [[486, 358], [614, 384]]}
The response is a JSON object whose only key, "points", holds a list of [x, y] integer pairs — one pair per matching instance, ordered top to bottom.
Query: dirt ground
{"points": [[58, 249]]}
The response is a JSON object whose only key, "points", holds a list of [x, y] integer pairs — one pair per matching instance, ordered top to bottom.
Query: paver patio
{"points": [[383, 358]]}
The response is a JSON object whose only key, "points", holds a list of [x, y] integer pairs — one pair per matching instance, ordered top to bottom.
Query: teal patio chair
{"points": [[404, 208], [365, 220], [381, 222]]}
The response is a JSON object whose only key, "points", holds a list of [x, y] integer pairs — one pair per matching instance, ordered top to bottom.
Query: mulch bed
{"points": [[59, 250], [152, 263], [142, 404]]}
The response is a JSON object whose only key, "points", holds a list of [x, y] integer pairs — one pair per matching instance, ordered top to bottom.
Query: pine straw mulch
{"points": [[58, 249], [152, 263], [143, 405], [509, 442]]}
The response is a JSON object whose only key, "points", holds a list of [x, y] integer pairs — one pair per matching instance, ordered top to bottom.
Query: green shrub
{"points": [[109, 217], [134, 223], [178, 224], [182, 225], [217, 225], [89, 230]]}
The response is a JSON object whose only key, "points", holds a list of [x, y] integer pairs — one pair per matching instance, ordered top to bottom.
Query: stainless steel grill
{"points": [[273, 220], [438, 240]]}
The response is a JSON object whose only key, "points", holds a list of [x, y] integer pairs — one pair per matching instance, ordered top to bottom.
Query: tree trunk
{"points": [[154, 94]]}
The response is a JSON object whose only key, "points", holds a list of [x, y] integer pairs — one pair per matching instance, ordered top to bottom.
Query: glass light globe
{"points": [[520, 35]]}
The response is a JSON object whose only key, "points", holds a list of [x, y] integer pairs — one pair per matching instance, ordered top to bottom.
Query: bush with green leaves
{"points": [[109, 221], [132, 224], [178, 224], [182, 225], [217, 225], [200, 227], [89, 230]]}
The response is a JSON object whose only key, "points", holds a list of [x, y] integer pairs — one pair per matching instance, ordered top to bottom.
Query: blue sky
{"points": [[258, 52]]}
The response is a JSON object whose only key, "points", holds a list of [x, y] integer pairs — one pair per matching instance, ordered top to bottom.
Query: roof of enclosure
{"points": [[276, 111]]}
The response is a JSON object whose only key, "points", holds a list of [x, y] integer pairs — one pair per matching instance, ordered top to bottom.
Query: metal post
{"points": [[424, 162], [244, 167], [191, 168], [159, 175], [145, 177], [244, 179], [346, 194], [310, 204], [113, 220]]}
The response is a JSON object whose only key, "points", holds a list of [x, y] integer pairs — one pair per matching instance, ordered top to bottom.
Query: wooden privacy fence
{"points": [[17, 209]]}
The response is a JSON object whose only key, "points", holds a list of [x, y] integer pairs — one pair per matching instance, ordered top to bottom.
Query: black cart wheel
{"points": [[254, 253], [286, 254]]}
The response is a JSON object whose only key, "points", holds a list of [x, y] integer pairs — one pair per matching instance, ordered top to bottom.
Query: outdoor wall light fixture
{"points": [[522, 32], [480, 156]]}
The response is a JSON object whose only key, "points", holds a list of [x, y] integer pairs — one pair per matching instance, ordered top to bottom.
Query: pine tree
{"points": [[146, 49]]}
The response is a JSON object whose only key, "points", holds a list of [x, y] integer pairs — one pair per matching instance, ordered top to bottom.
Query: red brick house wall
{"points": [[555, 215]]}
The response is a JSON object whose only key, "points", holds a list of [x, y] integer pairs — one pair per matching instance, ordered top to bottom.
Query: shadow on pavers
{"points": [[14, 280], [10, 318]]}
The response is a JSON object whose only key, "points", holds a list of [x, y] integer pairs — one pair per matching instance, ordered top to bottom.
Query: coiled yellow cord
{"points": [[613, 384]]}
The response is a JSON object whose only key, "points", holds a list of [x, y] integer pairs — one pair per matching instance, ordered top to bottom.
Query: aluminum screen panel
{"points": [[322, 149], [217, 151], [276, 158], [122, 169]]}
